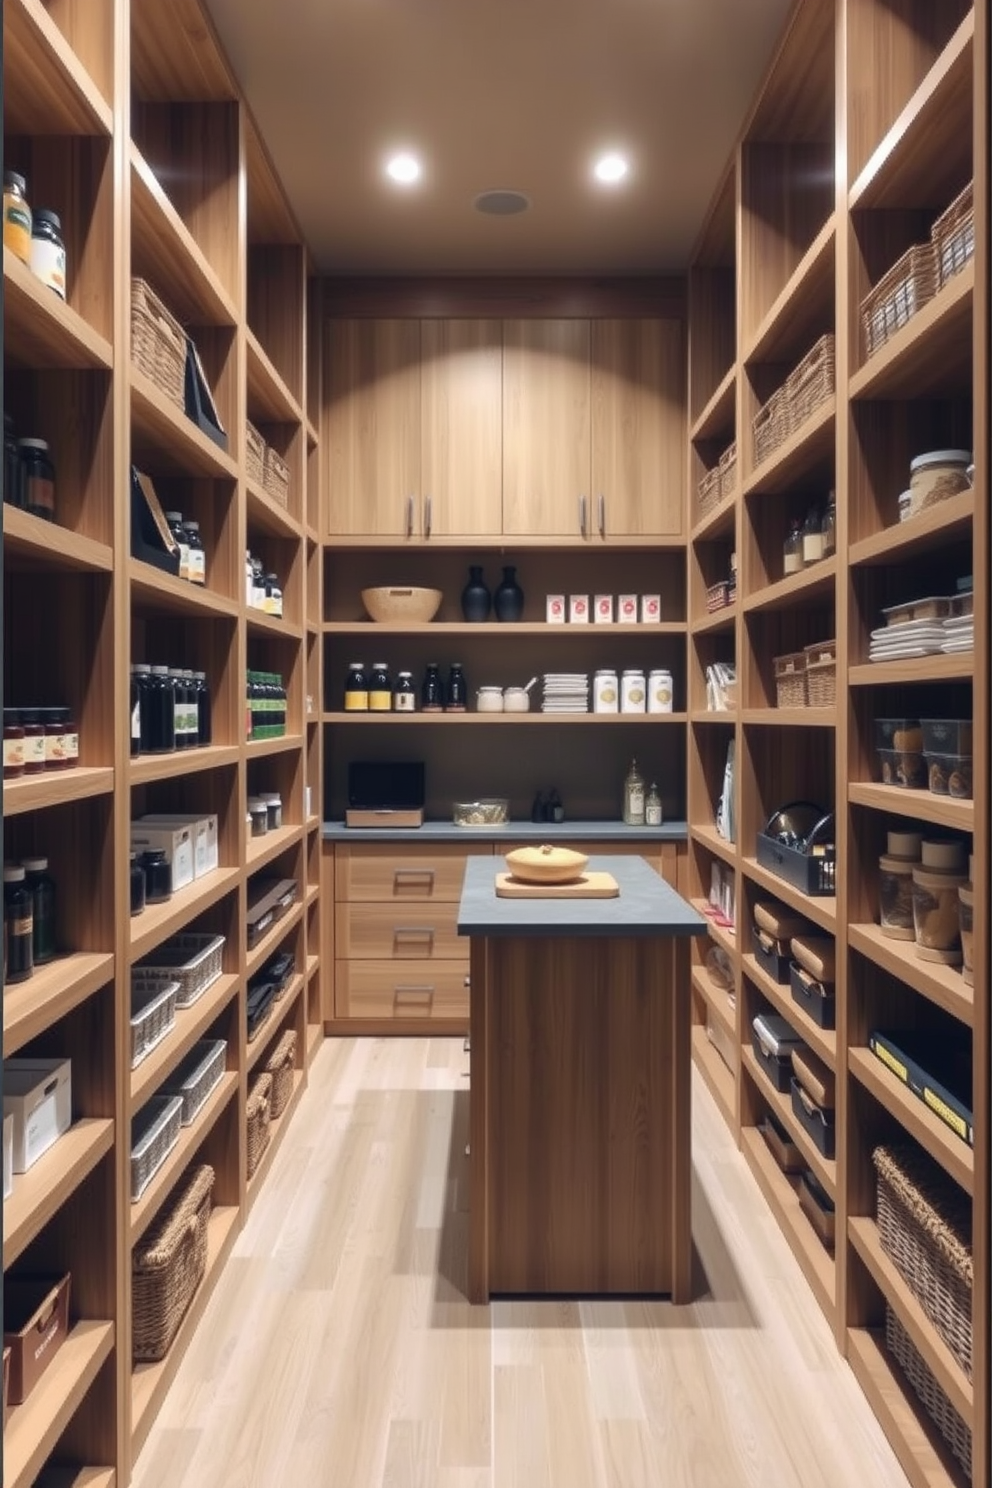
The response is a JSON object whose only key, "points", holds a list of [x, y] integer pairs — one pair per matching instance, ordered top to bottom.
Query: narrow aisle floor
{"points": [[339, 1349]]}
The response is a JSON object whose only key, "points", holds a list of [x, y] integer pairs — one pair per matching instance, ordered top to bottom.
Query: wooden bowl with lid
{"points": [[546, 864]]}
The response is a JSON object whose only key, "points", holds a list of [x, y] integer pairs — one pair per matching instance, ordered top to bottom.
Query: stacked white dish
{"points": [[959, 634], [906, 639], [565, 692]]}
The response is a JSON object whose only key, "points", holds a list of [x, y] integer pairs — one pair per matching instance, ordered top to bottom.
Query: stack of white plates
{"points": [[959, 634], [908, 638], [565, 692]]}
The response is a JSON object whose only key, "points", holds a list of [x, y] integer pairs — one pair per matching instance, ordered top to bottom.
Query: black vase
{"points": [[476, 599], [508, 601]]}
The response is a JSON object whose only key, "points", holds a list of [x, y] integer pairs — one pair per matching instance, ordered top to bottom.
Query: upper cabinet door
{"points": [[372, 372], [462, 428], [546, 428], [638, 428]]}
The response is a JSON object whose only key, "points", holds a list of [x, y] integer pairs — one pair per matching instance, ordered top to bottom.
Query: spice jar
{"points": [[16, 216], [48, 250], [13, 470], [936, 476], [38, 478], [828, 527], [178, 529], [812, 537], [792, 553], [196, 555], [273, 596], [380, 688], [356, 689], [432, 690], [457, 690], [633, 691], [605, 692], [660, 692], [404, 697], [135, 706], [162, 712], [52, 720], [179, 721], [204, 723], [66, 740], [34, 741], [13, 744], [633, 797], [273, 807], [652, 807], [258, 814], [158, 875], [137, 876], [936, 880], [895, 884], [41, 886], [966, 910], [18, 926]]}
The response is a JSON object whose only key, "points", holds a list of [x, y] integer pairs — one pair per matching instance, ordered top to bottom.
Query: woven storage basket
{"points": [[953, 236], [909, 285], [158, 343], [811, 383], [770, 426], [254, 453], [728, 471], [275, 476], [709, 492], [717, 597], [821, 674], [790, 680], [192, 959], [153, 1014], [280, 1065], [259, 1111], [924, 1223], [167, 1266], [935, 1402]]}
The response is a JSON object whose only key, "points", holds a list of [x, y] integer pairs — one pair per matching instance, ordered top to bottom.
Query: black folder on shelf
{"points": [[200, 406], [151, 539]]}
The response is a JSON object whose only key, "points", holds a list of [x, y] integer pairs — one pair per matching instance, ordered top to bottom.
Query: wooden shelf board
{"points": [[176, 56], [47, 90], [909, 162], [168, 253], [39, 329], [787, 331], [931, 354], [269, 398], [717, 416], [313, 438], [166, 442], [806, 448], [267, 515], [717, 522], [947, 522], [29, 542], [565, 542], [155, 592], [790, 593], [718, 620], [271, 626], [371, 628], [939, 668], [711, 715], [790, 717], [488, 720], [261, 748], [150, 767], [56, 788], [922, 805], [312, 822], [707, 836], [261, 850], [312, 895], [822, 911], [157, 921], [723, 937], [271, 941], [313, 965], [943, 985], [53, 991], [716, 1001], [279, 1015], [191, 1024], [315, 1037], [823, 1041], [716, 1076], [279, 1128], [191, 1138], [954, 1156], [825, 1168], [41, 1192], [865, 1238], [815, 1261], [149, 1382], [34, 1427], [916, 1442]]}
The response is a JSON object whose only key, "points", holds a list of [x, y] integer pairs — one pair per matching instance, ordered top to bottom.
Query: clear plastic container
{"points": [[899, 733], [946, 735], [903, 767], [949, 775], [489, 811], [935, 914]]}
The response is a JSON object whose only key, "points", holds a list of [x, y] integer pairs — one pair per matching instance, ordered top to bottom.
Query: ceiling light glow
{"points": [[610, 168], [404, 169]]}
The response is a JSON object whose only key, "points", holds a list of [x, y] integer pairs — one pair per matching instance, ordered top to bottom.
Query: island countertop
{"points": [[512, 831], [646, 906]]}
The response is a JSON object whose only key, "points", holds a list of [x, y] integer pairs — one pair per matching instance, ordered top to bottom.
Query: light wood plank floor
{"points": [[339, 1350]]}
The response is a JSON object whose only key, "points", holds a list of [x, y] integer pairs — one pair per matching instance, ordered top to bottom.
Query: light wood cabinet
{"points": [[546, 428], [461, 474]]}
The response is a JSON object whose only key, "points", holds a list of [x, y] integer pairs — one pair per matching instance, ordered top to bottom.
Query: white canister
{"points": [[935, 476], [605, 692], [633, 692], [660, 692], [489, 700]]}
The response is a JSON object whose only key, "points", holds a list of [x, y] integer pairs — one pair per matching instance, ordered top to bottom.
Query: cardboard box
{"points": [[555, 609], [578, 609], [602, 609], [627, 609], [650, 609], [176, 840], [206, 853], [38, 1094], [8, 1154], [36, 1322]]}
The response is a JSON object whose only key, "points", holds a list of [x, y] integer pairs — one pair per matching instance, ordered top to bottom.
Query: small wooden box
{"points": [[36, 1322]]}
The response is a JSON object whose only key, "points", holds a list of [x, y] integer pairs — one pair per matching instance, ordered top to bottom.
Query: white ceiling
{"points": [[516, 94]]}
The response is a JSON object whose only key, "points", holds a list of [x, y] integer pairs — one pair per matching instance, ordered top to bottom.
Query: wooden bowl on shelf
{"points": [[390, 604], [546, 864]]}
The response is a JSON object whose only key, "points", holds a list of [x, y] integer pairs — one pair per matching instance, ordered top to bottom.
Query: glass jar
{"points": [[16, 216], [48, 250], [13, 471], [38, 478], [828, 527], [178, 530], [812, 537], [792, 553], [197, 557], [249, 570], [257, 584], [273, 596], [142, 674], [380, 688], [356, 689], [432, 690], [605, 691], [633, 691], [661, 693], [404, 696], [457, 699], [135, 705], [192, 714], [204, 721], [53, 722], [162, 730], [180, 730], [68, 737], [34, 741], [13, 744], [633, 797], [273, 806], [652, 807], [258, 815], [158, 875], [137, 876], [41, 886], [18, 926]]}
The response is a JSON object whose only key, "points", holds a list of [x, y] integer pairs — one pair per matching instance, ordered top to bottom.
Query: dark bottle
{"points": [[13, 473], [38, 477], [178, 530], [197, 559], [476, 599], [508, 601], [142, 674], [380, 688], [356, 689], [432, 690], [457, 690], [404, 697], [281, 705], [178, 707], [135, 712], [163, 712], [192, 717], [204, 721], [158, 875], [137, 885], [41, 886], [18, 927]]}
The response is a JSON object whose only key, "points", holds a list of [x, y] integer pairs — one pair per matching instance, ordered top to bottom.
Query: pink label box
{"points": [[627, 609], [650, 609], [602, 611], [555, 613]]}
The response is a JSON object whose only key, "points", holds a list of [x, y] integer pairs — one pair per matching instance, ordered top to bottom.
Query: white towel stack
{"points": [[565, 692]]}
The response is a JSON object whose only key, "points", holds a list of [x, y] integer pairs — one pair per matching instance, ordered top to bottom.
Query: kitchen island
{"points": [[580, 1078]]}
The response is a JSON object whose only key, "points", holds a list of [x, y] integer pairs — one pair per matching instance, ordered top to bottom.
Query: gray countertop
{"points": [[514, 831], [646, 905]]}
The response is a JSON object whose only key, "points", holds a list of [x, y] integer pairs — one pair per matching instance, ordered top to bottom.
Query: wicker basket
{"points": [[953, 236], [909, 285], [158, 343], [811, 383], [770, 426], [254, 453], [728, 471], [275, 476], [709, 493], [717, 597], [821, 674], [790, 680], [193, 960], [153, 1014], [280, 1065], [196, 1076], [259, 1111], [154, 1132], [924, 1223], [167, 1266], [935, 1402]]}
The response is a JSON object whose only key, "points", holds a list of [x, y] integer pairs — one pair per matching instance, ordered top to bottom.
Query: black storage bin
{"points": [[809, 866], [769, 957], [815, 998], [773, 1040], [817, 1123]]}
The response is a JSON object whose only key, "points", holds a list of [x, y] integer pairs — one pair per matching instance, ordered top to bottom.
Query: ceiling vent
{"points": [[501, 203]]}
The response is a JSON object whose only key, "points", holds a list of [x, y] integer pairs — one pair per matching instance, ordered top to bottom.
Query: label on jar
{"points": [[17, 229], [48, 264], [39, 494], [812, 547], [196, 561], [792, 562], [605, 690], [660, 693], [633, 696], [380, 701], [356, 702], [404, 702], [135, 722], [71, 747], [55, 748], [34, 750], [13, 754], [635, 803], [652, 814], [23, 926]]}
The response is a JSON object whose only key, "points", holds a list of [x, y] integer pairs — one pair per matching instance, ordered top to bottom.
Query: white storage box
{"points": [[578, 609], [602, 609], [627, 609], [555, 612], [175, 841], [206, 856], [38, 1094], [8, 1156]]}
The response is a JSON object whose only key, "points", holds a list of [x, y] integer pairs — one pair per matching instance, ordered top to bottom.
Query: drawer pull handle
{"points": [[426, 930], [413, 989]]}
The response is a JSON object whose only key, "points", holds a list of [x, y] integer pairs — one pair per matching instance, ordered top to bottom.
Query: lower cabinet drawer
{"points": [[379, 873], [399, 932], [400, 990]]}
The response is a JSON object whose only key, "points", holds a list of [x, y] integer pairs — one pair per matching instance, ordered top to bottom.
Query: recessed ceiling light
{"points": [[610, 168], [404, 169]]}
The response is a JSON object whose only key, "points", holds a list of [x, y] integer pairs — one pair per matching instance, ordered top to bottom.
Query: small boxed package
{"points": [[578, 609], [602, 609], [627, 609], [650, 609], [555, 611], [203, 830], [174, 839], [772, 1040], [38, 1094], [8, 1155], [35, 1324]]}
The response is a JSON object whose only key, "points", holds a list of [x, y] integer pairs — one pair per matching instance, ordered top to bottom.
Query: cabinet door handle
{"points": [[582, 515], [409, 516], [602, 516], [427, 517], [428, 873], [427, 930], [413, 989]]}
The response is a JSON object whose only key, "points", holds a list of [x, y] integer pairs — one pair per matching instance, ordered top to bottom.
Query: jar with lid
{"points": [[17, 222], [48, 250], [13, 470], [38, 478], [828, 527], [178, 529], [812, 537], [792, 553], [197, 557], [249, 571], [257, 584], [273, 596], [142, 673], [380, 688], [356, 689], [432, 690], [605, 691], [633, 691], [660, 691], [404, 696], [279, 699], [457, 699], [135, 703], [162, 712], [192, 718], [204, 722], [180, 730], [34, 741], [66, 741], [13, 744], [633, 797], [273, 806], [652, 807], [258, 815], [158, 875], [137, 878], [41, 886], [18, 926]]}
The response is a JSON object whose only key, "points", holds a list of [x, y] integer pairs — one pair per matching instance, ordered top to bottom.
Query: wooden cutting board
{"points": [[589, 886]]}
